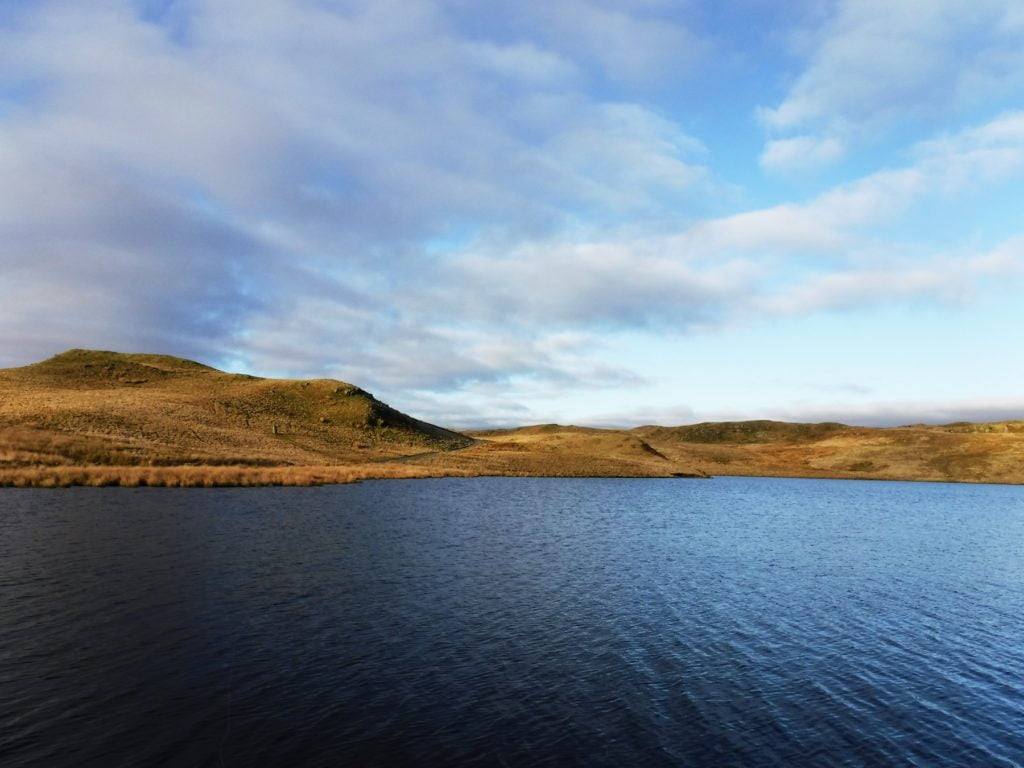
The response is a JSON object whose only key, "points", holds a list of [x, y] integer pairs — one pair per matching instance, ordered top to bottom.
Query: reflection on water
{"points": [[514, 621]]}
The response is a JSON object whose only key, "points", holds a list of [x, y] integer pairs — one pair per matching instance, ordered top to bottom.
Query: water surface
{"points": [[505, 621]]}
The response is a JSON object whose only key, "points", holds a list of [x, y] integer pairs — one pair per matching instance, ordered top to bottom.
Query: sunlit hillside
{"points": [[104, 408], [89, 417]]}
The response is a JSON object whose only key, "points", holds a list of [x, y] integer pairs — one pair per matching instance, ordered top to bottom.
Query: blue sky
{"points": [[606, 212]]}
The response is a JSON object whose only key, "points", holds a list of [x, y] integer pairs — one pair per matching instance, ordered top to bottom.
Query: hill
{"points": [[106, 409], [93, 417], [559, 451], [963, 452], [982, 453]]}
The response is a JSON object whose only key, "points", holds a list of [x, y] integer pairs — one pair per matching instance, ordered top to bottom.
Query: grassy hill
{"points": [[93, 408], [90, 417], [559, 451], [964, 452], [984, 453]]}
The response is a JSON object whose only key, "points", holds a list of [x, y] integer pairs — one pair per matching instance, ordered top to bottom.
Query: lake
{"points": [[514, 621]]}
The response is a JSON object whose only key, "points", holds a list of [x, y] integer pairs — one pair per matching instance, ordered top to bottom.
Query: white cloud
{"points": [[632, 44], [523, 62], [880, 62], [250, 147], [801, 153], [976, 155], [951, 165], [256, 182], [789, 227], [791, 259], [626, 284], [857, 288]]}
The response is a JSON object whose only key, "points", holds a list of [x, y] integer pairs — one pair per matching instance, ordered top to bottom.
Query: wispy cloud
{"points": [[877, 64], [801, 153], [193, 170], [756, 262]]}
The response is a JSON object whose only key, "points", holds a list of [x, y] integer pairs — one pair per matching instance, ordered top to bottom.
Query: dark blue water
{"points": [[736, 621]]}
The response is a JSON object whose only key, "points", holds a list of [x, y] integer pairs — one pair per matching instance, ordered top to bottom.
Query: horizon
{"points": [[609, 212], [893, 422]]}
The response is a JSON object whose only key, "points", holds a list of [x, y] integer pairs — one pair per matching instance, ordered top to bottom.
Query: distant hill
{"points": [[86, 407], [741, 432], [561, 451], [963, 452]]}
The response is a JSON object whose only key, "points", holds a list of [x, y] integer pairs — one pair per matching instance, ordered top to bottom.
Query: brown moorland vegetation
{"points": [[90, 408], [104, 418], [552, 450], [976, 453], [211, 476]]}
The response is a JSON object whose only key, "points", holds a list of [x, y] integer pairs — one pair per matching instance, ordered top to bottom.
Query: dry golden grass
{"points": [[86, 408], [103, 418], [555, 451], [980, 453], [211, 477]]}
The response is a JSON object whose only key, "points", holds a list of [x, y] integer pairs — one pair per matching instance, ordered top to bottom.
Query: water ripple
{"points": [[739, 622]]}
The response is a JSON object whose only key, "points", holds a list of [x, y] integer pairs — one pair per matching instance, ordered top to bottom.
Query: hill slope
{"points": [[87, 407], [557, 451], [980, 453], [983, 453]]}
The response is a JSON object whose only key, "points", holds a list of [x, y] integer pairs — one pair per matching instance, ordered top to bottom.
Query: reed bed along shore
{"points": [[212, 476]]}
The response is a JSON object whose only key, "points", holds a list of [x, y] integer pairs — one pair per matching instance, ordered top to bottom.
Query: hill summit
{"points": [[109, 408]]}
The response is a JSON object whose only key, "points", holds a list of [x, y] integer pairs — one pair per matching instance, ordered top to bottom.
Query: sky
{"points": [[599, 212]]}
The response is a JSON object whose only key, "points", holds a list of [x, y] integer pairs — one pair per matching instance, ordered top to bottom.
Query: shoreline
{"points": [[219, 476], [241, 476]]}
